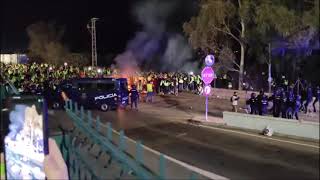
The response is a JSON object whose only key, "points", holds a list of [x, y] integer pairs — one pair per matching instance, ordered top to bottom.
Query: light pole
{"points": [[92, 29], [269, 68]]}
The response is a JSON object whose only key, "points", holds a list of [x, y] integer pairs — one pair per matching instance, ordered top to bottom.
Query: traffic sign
{"points": [[209, 60], [207, 75], [207, 90]]}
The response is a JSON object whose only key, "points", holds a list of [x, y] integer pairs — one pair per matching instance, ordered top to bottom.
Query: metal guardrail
{"points": [[88, 133]]}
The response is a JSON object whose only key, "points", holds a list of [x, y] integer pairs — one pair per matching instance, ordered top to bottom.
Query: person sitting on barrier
{"points": [[134, 96], [234, 100], [54, 165]]}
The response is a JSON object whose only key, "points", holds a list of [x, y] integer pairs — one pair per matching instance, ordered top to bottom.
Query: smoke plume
{"points": [[153, 47]]}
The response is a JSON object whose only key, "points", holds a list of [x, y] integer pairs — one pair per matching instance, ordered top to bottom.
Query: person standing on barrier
{"points": [[317, 94], [134, 97], [234, 101]]}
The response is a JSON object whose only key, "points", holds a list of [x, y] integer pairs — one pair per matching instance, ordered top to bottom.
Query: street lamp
{"points": [[92, 29]]}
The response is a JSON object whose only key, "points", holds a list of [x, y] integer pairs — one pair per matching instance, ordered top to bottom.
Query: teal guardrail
{"points": [[89, 135]]}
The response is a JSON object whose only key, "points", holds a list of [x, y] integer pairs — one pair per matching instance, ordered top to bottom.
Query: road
{"points": [[232, 154]]}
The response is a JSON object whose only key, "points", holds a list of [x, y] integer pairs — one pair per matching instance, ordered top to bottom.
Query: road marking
{"points": [[181, 134], [253, 135], [186, 165], [202, 172]]}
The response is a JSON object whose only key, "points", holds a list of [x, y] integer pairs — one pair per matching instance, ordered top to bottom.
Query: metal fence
{"points": [[93, 150]]}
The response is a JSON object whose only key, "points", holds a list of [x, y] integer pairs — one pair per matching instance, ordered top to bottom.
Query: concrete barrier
{"points": [[227, 93], [281, 126]]}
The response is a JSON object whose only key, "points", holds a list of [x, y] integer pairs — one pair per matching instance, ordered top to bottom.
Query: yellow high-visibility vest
{"points": [[149, 87]]}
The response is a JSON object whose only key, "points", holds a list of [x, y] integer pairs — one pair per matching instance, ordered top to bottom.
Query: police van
{"points": [[94, 93]]}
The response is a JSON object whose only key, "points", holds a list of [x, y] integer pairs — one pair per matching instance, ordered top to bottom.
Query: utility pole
{"points": [[92, 29], [269, 68]]}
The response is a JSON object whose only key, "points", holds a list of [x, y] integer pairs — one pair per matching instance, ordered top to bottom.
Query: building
{"points": [[13, 58]]}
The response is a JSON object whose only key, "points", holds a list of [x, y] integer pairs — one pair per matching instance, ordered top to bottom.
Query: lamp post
{"points": [[92, 29], [269, 69]]}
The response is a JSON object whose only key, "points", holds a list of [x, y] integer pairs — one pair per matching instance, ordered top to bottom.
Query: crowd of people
{"points": [[35, 77], [283, 102]]}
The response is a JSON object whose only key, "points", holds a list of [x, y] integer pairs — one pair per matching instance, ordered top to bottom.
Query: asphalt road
{"points": [[232, 154]]}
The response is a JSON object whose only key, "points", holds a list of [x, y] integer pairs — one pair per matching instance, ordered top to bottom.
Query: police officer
{"points": [[317, 94], [134, 96], [309, 98], [277, 102], [290, 102], [253, 103], [263, 103], [284, 104], [297, 106]]}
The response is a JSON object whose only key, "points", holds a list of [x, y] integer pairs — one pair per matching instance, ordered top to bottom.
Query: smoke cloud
{"points": [[153, 47]]}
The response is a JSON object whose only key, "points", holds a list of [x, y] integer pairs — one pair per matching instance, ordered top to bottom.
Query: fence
{"points": [[93, 150]]}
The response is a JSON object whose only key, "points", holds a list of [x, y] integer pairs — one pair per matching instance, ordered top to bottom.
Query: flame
{"points": [[133, 76]]}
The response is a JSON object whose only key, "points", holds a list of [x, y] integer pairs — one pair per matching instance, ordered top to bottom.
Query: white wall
{"points": [[9, 58], [287, 127]]}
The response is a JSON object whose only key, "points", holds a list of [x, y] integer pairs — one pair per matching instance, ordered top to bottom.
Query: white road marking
{"points": [[181, 134], [253, 135], [202, 172], [205, 173]]}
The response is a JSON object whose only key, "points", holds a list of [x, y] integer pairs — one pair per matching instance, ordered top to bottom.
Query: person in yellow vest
{"points": [[181, 81], [149, 92]]}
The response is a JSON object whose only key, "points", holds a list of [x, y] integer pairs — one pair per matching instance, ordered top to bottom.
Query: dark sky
{"points": [[116, 26]]}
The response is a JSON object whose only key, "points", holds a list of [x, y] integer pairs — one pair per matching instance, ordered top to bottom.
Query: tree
{"points": [[218, 23], [291, 25], [251, 26], [45, 43]]}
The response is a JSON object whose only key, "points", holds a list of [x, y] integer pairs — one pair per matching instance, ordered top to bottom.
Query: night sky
{"points": [[115, 28]]}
